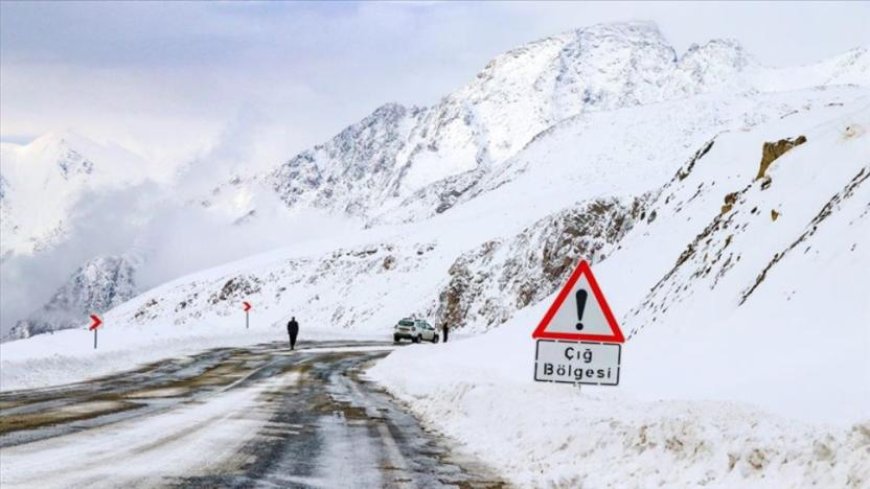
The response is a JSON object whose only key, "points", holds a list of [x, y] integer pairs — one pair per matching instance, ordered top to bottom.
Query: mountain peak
{"points": [[636, 29], [720, 48], [389, 109], [67, 139]]}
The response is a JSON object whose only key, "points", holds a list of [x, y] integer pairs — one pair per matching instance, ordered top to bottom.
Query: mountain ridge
{"points": [[601, 67], [401, 165]]}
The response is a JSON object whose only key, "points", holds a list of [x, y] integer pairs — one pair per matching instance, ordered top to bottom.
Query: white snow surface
{"points": [[744, 299], [479, 391], [715, 391]]}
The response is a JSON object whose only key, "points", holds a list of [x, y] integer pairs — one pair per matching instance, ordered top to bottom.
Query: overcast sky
{"points": [[170, 79]]}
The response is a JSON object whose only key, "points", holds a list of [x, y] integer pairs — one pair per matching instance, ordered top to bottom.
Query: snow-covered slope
{"points": [[739, 279], [744, 299]]}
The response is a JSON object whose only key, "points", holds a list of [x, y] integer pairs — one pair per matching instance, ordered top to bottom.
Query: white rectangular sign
{"points": [[577, 362]]}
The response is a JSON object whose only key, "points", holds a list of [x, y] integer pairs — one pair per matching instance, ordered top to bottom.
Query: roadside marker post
{"points": [[247, 307], [95, 323], [578, 340]]}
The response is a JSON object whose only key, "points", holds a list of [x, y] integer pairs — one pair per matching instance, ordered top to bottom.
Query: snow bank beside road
{"points": [[480, 392]]}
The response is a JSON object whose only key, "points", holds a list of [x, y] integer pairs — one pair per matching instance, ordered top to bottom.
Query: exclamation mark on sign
{"points": [[580, 296]]}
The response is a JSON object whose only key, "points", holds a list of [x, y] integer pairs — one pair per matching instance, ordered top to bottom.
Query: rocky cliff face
{"points": [[354, 168], [487, 285]]}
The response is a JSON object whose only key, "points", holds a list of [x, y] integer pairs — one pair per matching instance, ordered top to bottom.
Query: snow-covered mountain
{"points": [[392, 157], [43, 181], [67, 201], [509, 246], [99, 285]]}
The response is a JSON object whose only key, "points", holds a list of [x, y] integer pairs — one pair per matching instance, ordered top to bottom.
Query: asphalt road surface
{"points": [[234, 417]]}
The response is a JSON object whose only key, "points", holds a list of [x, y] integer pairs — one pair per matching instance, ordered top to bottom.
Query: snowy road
{"points": [[244, 417]]}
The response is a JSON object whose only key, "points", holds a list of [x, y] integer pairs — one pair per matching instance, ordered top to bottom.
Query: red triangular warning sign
{"points": [[580, 312]]}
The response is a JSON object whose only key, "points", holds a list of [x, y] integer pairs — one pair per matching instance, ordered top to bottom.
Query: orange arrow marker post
{"points": [[247, 307], [95, 323]]}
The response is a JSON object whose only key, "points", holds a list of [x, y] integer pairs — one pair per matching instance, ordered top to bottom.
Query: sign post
{"points": [[247, 307], [95, 323], [578, 340]]}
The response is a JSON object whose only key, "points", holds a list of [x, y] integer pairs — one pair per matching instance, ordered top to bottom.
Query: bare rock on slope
{"points": [[771, 151], [488, 284]]}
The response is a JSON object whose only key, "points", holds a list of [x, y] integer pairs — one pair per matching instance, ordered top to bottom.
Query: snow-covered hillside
{"points": [[452, 266], [744, 299]]}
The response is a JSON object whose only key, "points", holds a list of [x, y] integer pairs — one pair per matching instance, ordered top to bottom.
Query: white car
{"points": [[416, 330]]}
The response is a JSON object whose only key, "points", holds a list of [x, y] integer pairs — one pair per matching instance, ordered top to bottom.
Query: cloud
{"points": [[103, 224], [166, 225]]}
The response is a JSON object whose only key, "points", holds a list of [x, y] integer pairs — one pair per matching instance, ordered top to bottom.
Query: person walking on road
{"points": [[444, 330], [293, 331]]}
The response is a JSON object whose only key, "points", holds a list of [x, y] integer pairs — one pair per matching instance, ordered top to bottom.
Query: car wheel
{"points": [[396, 339], [417, 339], [435, 339]]}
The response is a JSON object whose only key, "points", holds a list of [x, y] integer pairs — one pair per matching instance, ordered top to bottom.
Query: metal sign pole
{"points": [[95, 324], [247, 324]]}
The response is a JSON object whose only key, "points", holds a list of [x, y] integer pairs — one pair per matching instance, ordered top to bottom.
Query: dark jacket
{"points": [[293, 327]]}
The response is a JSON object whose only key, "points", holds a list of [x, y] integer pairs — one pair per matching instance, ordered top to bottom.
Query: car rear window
{"points": [[405, 322]]}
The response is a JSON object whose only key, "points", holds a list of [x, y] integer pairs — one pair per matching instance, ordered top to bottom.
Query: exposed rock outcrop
{"points": [[771, 151], [488, 284]]}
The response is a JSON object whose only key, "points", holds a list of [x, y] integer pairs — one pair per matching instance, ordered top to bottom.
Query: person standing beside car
{"points": [[444, 330], [293, 331]]}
